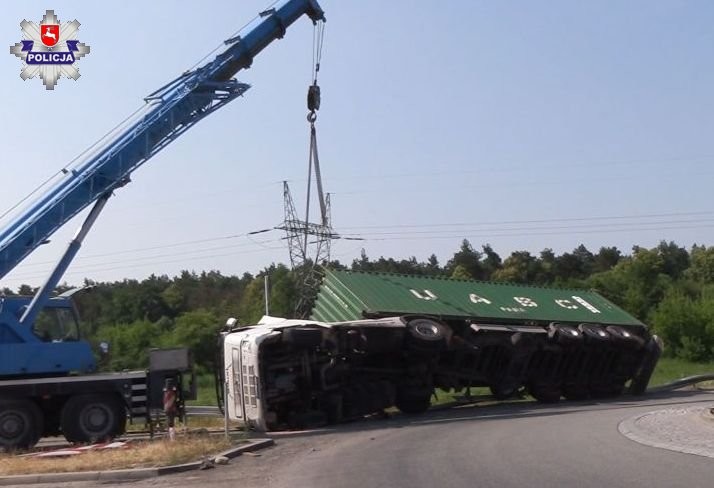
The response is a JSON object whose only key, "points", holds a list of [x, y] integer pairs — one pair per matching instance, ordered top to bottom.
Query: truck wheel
{"points": [[594, 333], [426, 335], [565, 335], [620, 335], [653, 350], [413, 402], [92, 418], [20, 424]]}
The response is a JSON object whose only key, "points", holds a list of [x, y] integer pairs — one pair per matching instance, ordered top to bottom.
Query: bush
{"points": [[686, 325]]}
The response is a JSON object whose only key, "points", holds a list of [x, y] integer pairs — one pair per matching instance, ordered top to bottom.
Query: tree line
{"points": [[669, 287]]}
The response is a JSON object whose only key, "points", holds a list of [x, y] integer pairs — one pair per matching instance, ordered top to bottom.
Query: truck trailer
{"points": [[384, 340]]}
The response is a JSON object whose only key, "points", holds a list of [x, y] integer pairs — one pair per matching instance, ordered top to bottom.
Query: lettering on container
{"points": [[424, 295], [477, 299], [525, 301], [522, 303], [566, 304], [586, 304], [512, 309]]}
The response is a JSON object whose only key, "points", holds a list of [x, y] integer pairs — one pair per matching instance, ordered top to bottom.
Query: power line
{"points": [[531, 166], [538, 221], [629, 225], [491, 235], [151, 248], [123, 265]]}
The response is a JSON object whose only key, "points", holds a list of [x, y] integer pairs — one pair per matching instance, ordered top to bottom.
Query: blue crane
{"points": [[106, 166]]}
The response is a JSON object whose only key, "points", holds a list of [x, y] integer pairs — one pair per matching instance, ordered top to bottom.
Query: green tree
{"points": [[469, 259], [606, 259], [675, 259], [491, 261], [702, 264], [576, 265], [519, 267], [461, 273], [637, 283], [283, 291], [175, 299], [252, 304], [686, 326], [197, 330], [129, 343]]}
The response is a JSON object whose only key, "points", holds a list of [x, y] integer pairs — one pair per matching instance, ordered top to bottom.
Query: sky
{"points": [[523, 124]]}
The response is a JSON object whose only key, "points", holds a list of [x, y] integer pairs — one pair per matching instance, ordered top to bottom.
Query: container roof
{"points": [[351, 295]]}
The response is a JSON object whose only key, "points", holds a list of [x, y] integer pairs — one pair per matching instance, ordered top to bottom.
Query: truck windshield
{"points": [[56, 325]]}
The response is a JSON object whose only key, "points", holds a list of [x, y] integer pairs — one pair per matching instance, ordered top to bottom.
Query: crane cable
{"points": [[313, 105]]}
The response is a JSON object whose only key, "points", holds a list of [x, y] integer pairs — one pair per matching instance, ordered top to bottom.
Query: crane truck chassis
{"points": [[287, 374], [83, 408]]}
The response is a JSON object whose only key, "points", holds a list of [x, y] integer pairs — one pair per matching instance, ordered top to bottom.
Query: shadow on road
{"points": [[505, 410]]}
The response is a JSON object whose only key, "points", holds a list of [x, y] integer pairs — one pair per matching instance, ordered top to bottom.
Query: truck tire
{"points": [[594, 333], [426, 335], [565, 335], [620, 335], [652, 352], [413, 402], [92, 418], [21, 424]]}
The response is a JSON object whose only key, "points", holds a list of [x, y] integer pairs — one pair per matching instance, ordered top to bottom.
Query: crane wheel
{"points": [[92, 418], [20, 424]]}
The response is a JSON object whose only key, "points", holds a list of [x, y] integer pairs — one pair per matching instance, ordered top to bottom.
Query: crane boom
{"points": [[167, 113]]}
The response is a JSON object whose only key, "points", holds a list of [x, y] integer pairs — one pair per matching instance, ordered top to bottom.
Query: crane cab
{"points": [[51, 346]]}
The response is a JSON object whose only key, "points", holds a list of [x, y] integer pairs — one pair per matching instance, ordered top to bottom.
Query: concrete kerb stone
{"points": [[669, 429], [129, 474]]}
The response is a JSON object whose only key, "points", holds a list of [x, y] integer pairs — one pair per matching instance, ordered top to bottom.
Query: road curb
{"points": [[630, 429], [129, 474]]}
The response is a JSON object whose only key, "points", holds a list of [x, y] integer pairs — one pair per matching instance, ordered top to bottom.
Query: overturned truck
{"points": [[377, 340]]}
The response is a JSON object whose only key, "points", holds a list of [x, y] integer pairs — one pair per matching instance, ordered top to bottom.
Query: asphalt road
{"points": [[517, 445]]}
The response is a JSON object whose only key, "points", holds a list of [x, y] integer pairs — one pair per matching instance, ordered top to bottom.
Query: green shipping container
{"points": [[353, 295]]}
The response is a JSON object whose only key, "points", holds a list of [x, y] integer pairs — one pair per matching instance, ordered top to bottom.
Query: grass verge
{"points": [[671, 369], [138, 454]]}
